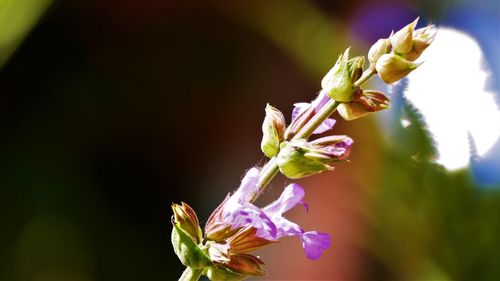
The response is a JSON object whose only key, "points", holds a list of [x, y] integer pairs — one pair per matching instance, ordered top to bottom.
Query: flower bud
{"points": [[422, 38], [402, 41], [381, 47], [356, 67], [392, 67], [338, 82], [366, 102], [273, 129], [299, 158], [186, 219], [189, 253]]}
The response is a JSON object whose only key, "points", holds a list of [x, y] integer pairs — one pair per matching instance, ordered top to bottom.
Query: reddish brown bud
{"points": [[366, 102]]}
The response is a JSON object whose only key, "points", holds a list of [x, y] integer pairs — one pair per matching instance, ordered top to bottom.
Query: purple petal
{"points": [[320, 100], [318, 103], [298, 108], [325, 126], [340, 149], [248, 188], [291, 196], [246, 214], [285, 227], [314, 243]]}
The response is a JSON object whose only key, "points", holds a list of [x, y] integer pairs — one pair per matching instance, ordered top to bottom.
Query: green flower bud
{"points": [[402, 41], [381, 47], [392, 67], [338, 82], [364, 103], [273, 129], [299, 158], [186, 235], [185, 248]]}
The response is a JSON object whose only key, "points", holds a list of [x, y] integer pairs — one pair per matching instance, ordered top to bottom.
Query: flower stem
{"points": [[325, 112], [269, 171], [191, 274]]}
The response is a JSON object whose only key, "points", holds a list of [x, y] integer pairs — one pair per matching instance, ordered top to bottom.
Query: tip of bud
{"points": [[402, 40]]}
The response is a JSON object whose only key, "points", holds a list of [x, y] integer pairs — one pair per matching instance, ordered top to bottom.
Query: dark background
{"points": [[112, 110]]}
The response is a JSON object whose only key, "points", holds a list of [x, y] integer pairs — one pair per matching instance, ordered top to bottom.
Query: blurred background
{"points": [[112, 110]]}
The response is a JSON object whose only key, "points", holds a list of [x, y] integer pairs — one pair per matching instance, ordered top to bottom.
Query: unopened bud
{"points": [[422, 38], [402, 40], [381, 47], [392, 67], [338, 83], [368, 101], [273, 129], [299, 158], [185, 217]]}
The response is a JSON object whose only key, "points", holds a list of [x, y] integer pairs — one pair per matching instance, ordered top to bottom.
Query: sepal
{"points": [[189, 253]]}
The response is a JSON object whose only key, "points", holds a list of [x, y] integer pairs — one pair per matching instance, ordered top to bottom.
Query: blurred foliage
{"points": [[17, 18], [297, 27], [428, 223]]}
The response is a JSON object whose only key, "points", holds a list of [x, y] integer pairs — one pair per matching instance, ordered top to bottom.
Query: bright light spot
{"points": [[449, 89], [405, 123]]}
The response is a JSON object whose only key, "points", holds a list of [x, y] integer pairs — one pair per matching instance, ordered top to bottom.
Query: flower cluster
{"points": [[237, 227]]}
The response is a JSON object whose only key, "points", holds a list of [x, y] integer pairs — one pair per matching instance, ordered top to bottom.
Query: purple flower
{"points": [[317, 103], [269, 221]]}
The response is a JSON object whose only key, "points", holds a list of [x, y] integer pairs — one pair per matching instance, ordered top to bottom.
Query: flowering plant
{"points": [[237, 226]]}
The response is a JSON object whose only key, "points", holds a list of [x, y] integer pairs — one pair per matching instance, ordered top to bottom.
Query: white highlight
{"points": [[449, 91], [405, 123]]}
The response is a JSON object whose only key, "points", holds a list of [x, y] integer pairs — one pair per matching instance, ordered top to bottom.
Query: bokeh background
{"points": [[112, 110]]}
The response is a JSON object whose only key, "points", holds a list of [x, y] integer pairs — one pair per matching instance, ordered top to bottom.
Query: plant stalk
{"points": [[270, 169], [191, 274]]}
